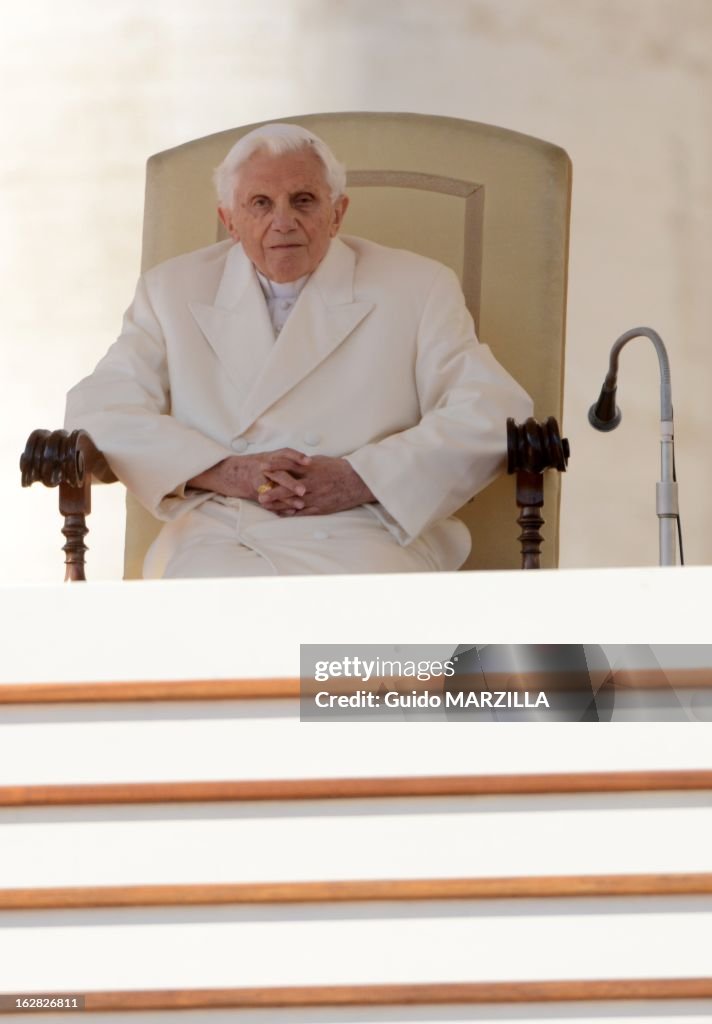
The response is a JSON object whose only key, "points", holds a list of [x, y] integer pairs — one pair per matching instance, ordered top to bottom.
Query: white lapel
{"points": [[323, 316], [237, 325]]}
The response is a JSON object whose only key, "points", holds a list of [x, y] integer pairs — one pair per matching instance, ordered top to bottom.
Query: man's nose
{"points": [[283, 218]]}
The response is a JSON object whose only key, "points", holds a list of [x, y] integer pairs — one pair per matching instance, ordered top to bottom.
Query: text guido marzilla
{"points": [[425, 699]]}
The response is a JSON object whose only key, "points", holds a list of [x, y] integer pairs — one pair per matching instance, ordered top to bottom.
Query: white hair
{"points": [[276, 139]]}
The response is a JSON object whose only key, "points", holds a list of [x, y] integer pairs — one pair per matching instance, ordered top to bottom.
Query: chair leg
{"points": [[532, 448], [530, 500], [75, 506]]}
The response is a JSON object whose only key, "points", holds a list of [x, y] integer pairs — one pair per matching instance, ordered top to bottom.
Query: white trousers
{"points": [[232, 538]]}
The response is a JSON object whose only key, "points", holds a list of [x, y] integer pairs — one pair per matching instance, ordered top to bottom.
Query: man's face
{"points": [[283, 214]]}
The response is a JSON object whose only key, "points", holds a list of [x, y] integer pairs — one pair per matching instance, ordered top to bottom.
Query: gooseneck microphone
{"points": [[605, 415]]}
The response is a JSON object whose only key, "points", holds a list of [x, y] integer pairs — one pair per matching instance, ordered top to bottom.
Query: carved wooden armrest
{"points": [[533, 447], [68, 461]]}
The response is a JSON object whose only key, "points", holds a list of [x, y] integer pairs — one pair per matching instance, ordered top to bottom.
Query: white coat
{"points": [[377, 362]]}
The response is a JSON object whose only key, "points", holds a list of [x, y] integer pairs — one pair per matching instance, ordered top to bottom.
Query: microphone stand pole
{"points": [[666, 500], [666, 503]]}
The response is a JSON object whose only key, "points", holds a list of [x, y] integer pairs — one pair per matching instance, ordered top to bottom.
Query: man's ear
{"points": [[340, 208], [225, 216]]}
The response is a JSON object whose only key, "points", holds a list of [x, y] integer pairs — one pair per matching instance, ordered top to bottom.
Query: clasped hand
{"points": [[304, 485], [314, 485]]}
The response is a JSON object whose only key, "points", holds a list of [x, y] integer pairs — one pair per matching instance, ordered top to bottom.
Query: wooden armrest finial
{"points": [[533, 447], [67, 460]]}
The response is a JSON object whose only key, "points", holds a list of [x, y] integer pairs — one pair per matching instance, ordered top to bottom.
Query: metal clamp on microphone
{"points": [[605, 415]]}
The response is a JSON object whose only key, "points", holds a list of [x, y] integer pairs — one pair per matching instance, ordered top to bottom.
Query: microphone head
{"points": [[605, 414]]}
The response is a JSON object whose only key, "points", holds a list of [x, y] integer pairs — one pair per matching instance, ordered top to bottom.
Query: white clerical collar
{"points": [[287, 290], [280, 298]]}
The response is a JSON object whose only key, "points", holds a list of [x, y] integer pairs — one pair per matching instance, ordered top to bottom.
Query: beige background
{"points": [[625, 86]]}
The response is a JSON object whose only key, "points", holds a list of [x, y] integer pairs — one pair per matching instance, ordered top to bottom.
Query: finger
{"points": [[294, 455], [281, 465], [286, 482], [280, 496], [295, 504], [281, 508]]}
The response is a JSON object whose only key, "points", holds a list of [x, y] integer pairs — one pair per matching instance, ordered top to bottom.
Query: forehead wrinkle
{"points": [[303, 179], [302, 191]]}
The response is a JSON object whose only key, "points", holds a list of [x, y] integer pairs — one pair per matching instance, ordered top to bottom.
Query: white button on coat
{"points": [[312, 438], [239, 444], [320, 535]]}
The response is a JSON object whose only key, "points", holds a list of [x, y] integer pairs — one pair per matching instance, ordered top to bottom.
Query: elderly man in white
{"points": [[292, 402]]}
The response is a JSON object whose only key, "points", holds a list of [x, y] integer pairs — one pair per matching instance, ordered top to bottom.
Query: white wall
{"points": [[624, 85], [252, 628]]}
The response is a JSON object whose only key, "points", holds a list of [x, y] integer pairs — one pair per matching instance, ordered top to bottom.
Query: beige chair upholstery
{"points": [[492, 204]]}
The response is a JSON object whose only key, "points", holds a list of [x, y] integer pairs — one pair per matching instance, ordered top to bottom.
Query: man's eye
{"points": [[304, 200], [260, 203]]}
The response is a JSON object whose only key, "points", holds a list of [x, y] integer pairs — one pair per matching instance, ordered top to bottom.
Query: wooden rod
{"points": [[675, 678], [288, 688], [195, 689], [354, 788], [534, 887], [394, 995]]}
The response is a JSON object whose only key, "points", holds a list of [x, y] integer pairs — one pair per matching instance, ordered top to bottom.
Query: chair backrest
{"points": [[491, 203]]}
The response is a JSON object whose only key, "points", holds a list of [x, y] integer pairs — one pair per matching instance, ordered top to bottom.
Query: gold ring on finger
{"points": [[266, 486]]}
